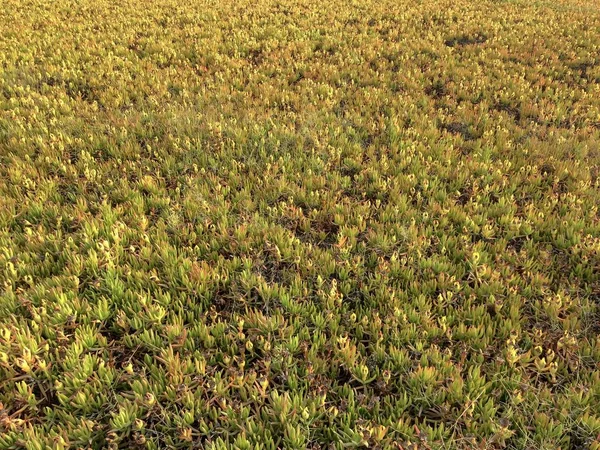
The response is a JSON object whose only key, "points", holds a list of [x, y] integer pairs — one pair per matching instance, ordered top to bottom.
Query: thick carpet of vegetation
{"points": [[299, 224]]}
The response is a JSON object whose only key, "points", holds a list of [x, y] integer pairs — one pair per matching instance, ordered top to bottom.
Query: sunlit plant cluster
{"points": [[300, 224]]}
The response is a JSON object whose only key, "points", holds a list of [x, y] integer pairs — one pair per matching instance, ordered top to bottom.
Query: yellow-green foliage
{"points": [[261, 224]]}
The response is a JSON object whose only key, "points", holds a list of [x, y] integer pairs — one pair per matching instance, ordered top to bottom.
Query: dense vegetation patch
{"points": [[299, 224]]}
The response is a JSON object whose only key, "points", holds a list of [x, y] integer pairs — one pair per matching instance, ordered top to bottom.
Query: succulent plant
{"points": [[299, 224]]}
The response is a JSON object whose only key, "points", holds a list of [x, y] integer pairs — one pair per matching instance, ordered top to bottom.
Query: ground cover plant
{"points": [[299, 224]]}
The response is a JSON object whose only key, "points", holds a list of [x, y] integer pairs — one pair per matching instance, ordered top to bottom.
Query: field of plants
{"points": [[300, 224]]}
